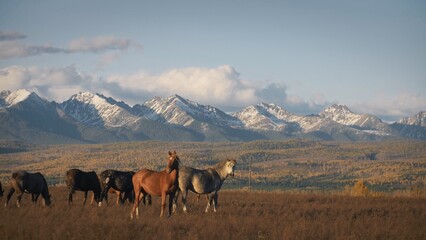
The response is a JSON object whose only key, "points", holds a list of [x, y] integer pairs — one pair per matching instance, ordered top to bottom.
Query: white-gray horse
{"points": [[207, 182]]}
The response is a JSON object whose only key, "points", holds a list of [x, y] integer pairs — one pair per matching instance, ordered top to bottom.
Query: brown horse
{"points": [[157, 184]]}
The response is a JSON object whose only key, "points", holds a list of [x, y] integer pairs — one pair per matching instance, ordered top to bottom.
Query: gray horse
{"points": [[207, 182]]}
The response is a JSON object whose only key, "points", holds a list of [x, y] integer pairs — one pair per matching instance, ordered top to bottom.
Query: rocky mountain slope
{"points": [[88, 117]]}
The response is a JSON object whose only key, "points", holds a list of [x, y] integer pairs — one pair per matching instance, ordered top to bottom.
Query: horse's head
{"points": [[173, 162], [230, 166], [47, 200]]}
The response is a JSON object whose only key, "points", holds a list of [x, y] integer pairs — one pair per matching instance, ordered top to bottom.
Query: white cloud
{"points": [[55, 84], [220, 87], [393, 107]]}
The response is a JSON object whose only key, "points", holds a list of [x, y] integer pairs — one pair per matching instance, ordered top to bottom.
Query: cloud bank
{"points": [[11, 47], [220, 87]]}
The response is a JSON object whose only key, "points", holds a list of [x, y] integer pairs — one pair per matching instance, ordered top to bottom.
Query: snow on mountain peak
{"points": [[17, 96], [9, 99], [96, 109], [178, 110], [341, 114], [264, 116], [418, 119]]}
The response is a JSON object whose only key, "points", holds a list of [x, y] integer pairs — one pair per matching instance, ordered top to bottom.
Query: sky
{"points": [[301, 55]]}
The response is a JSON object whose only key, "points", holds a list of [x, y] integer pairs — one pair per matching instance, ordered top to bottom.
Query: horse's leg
{"points": [[70, 192], [9, 195], [184, 196], [215, 196], [35, 197], [85, 197], [18, 198], [93, 199], [119, 199], [149, 199], [175, 199], [209, 201], [163, 202], [136, 204], [171, 205]]}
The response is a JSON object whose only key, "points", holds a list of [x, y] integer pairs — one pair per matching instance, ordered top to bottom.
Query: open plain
{"points": [[241, 215]]}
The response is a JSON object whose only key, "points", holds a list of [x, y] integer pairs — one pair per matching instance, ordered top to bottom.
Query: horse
{"points": [[82, 181], [120, 182], [148, 182], [207, 182], [33, 183]]}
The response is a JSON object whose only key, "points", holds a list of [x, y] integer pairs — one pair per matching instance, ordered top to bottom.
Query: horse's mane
{"points": [[220, 164]]}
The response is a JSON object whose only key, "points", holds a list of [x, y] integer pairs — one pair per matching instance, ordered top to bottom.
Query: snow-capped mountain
{"points": [[9, 99], [98, 110], [177, 110], [343, 115], [88, 117], [267, 117], [419, 119], [336, 120]]}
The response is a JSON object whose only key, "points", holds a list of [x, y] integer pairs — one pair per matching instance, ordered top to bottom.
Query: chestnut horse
{"points": [[148, 182]]}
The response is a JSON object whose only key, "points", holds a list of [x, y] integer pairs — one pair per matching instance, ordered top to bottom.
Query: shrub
{"points": [[359, 189]]}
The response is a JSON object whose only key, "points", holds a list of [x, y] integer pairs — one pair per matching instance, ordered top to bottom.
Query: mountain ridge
{"points": [[92, 117]]}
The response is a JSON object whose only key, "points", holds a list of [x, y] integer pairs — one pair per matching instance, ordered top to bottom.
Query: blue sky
{"points": [[302, 55]]}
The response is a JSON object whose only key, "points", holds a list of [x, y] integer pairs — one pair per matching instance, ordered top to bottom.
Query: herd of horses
{"points": [[131, 186]]}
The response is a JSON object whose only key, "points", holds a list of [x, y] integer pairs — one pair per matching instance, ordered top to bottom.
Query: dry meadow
{"points": [[241, 215]]}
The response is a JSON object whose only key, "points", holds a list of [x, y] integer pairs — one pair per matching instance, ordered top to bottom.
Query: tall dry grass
{"points": [[241, 215]]}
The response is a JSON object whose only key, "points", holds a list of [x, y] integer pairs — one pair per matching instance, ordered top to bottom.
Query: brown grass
{"points": [[241, 215]]}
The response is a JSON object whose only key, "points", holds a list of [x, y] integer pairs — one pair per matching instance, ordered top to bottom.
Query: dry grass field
{"points": [[241, 215]]}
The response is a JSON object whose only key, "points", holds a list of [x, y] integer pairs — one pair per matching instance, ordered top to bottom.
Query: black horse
{"points": [[78, 180], [119, 181], [33, 183], [1, 190]]}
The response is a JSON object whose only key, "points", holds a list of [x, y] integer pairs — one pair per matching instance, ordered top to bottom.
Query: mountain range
{"points": [[94, 118]]}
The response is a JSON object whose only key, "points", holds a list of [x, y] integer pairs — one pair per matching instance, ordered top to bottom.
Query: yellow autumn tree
{"points": [[359, 189]]}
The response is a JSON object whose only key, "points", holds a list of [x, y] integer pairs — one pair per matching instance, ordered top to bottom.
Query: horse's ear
{"points": [[174, 152], [170, 153]]}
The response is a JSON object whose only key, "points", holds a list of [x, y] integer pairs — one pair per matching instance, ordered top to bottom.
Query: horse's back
{"points": [[119, 180], [197, 180], [84, 181], [30, 182], [36, 182], [152, 182]]}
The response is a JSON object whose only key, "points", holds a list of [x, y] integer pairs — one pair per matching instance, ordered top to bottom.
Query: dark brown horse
{"points": [[83, 181], [118, 181], [33, 183], [157, 184], [1, 190]]}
